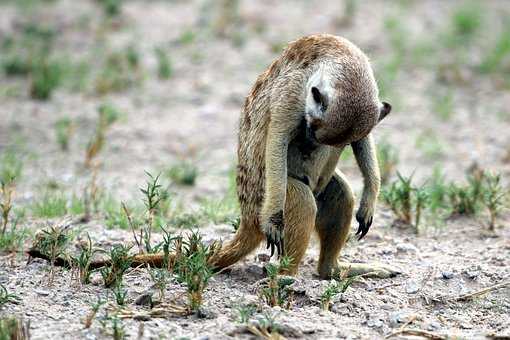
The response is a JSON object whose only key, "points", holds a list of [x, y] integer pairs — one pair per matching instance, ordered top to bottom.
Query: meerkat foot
{"points": [[372, 270]]}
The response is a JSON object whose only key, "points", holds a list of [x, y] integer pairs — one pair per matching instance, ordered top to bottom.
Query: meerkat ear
{"points": [[319, 97], [385, 109]]}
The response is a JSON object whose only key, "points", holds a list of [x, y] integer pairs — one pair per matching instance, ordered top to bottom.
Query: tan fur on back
{"points": [[281, 84]]}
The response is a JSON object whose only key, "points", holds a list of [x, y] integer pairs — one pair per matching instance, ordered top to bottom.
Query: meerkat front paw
{"points": [[365, 217], [273, 229]]}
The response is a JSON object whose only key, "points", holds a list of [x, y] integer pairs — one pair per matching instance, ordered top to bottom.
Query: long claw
{"points": [[363, 234], [268, 242], [282, 246], [272, 250]]}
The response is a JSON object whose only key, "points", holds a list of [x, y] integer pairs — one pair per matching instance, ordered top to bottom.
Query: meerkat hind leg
{"points": [[300, 212], [334, 214]]}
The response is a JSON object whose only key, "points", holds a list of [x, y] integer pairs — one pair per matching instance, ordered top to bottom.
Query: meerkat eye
{"points": [[319, 98]]}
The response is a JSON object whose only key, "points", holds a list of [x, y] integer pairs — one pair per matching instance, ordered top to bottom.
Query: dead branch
{"points": [[480, 292], [418, 332]]}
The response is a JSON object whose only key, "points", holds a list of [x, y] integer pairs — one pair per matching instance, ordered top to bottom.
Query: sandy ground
{"points": [[194, 115]]}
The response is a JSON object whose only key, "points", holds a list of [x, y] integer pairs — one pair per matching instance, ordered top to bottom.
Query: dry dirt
{"points": [[194, 115]]}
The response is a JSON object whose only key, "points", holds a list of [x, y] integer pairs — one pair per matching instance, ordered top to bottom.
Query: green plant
{"points": [[111, 8], [466, 20], [495, 57], [165, 69], [119, 72], [46, 77], [107, 116], [63, 132], [387, 155], [11, 167], [183, 173], [6, 194], [153, 197], [494, 197], [466, 199], [405, 200], [50, 205], [185, 220], [13, 239], [53, 242], [166, 245], [83, 261], [120, 261], [192, 267], [159, 277], [334, 288], [277, 291], [120, 294], [6, 297], [95, 308], [245, 311], [113, 326], [265, 327], [13, 328]]}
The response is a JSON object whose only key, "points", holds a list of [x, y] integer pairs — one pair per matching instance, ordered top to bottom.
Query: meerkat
{"points": [[317, 98]]}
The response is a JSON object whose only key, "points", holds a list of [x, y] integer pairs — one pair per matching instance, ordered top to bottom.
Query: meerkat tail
{"points": [[247, 238]]}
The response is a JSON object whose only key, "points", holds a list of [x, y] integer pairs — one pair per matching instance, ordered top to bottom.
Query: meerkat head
{"points": [[342, 102]]}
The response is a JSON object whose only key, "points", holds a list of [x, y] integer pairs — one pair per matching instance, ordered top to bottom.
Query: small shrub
{"points": [[111, 8], [466, 20], [164, 64], [120, 72], [46, 77], [107, 116], [63, 132], [183, 173], [494, 197], [466, 199], [405, 200], [50, 205], [53, 242], [83, 261], [120, 261], [192, 267], [160, 277], [334, 288], [277, 291], [120, 294], [6, 297], [245, 312], [92, 315], [13, 328]]}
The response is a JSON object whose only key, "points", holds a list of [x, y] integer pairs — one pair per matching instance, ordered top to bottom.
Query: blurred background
{"points": [[94, 93], [102, 98]]}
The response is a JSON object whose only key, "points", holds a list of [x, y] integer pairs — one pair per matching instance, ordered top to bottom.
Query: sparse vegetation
{"points": [[164, 64], [107, 116], [63, 132], [183, 173], [53, 242], [82, 261], [120, 261], [192, 267], [334, 288], [277, 291], [6, 297], [14, 328]]}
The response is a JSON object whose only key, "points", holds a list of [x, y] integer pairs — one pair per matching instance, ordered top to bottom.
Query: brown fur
{"points": [[272, 158]]}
